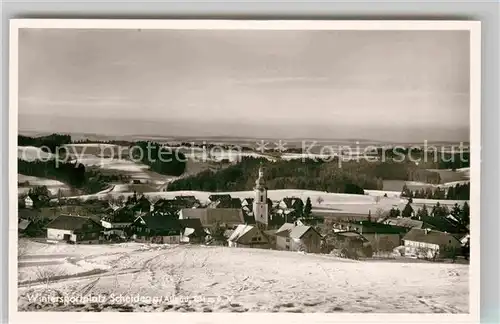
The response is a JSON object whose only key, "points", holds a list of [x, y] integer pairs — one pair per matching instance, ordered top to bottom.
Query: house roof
{"points": [[216, 197], [190, 198], [248, 200], [290, 202], [174, 203], [226, 203], [210, 216], [70, 222], [405, 222], [160, 223], [191, 223], [23, 224], [192, 226], [365, 227], [284, 229], [293, 231], [239, 232], [270, 232], [228, 233], [351, 235], [429, 236]]}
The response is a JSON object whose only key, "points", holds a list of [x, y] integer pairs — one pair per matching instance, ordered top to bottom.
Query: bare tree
{"points": [[47, 275]]}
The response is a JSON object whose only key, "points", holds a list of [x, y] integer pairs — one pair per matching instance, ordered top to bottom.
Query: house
{"points": [[217, 197], [188, 201], [28, 202], [247, 202], [226, 203], [291, 203], [142, 205], [288, 214], [335, 216], [210, 217], [404, 222], [117, 223], [443, 224], [23, 225], [74, 229], [156, 229], [192, 231], [249, 236], [271, 237], [292, 237], [382, 237], [353, 238], [465, 239], [426, 243], [350, 244]]}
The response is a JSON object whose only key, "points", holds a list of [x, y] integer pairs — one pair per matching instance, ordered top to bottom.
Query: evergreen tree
{"points": [[406, 192], [40, 196], [308, 208], [407, 211], [424, 211], [456, 211], [394, 212], [465, 215]]}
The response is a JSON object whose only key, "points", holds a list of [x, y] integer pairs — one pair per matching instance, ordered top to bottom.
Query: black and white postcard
{"points": [[214, 170]]}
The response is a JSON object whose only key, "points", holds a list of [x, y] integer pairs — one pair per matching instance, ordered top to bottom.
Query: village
{"points": [[255, 222]]}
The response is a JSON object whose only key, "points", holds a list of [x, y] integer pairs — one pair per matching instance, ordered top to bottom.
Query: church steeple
{"points": [[260, 207]]}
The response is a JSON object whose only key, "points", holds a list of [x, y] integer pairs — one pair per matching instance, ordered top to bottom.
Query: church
{"points": [[260, 203]]}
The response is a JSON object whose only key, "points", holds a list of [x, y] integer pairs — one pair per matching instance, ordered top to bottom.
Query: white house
{"points": [[28, 202], [114, 228], [74, 229], [248, 236], [297, 237], [426, 243]]}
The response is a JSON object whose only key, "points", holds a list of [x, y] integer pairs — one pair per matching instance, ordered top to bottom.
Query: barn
{"points": [[74, 229]]}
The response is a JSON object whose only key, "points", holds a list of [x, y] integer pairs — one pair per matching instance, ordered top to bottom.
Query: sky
{"points": [[407, 85]]}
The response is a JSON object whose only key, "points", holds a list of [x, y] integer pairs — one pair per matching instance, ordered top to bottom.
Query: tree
{"points": [[406, 192], [40, 196], [319, 200], [308, 208], [407, 211], [439, 211], [394, 212], [422, 212], [465, 215], [369, 216], [217, 234]]}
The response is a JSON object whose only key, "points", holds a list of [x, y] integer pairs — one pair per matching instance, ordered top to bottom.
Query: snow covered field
{"points": [[52, 185], [220, 279]]}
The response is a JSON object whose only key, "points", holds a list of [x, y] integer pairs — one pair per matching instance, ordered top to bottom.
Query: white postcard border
{"points": [[474, 27]]}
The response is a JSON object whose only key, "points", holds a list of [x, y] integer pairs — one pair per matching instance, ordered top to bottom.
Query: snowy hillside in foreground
{"points": [[243, 280]]}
